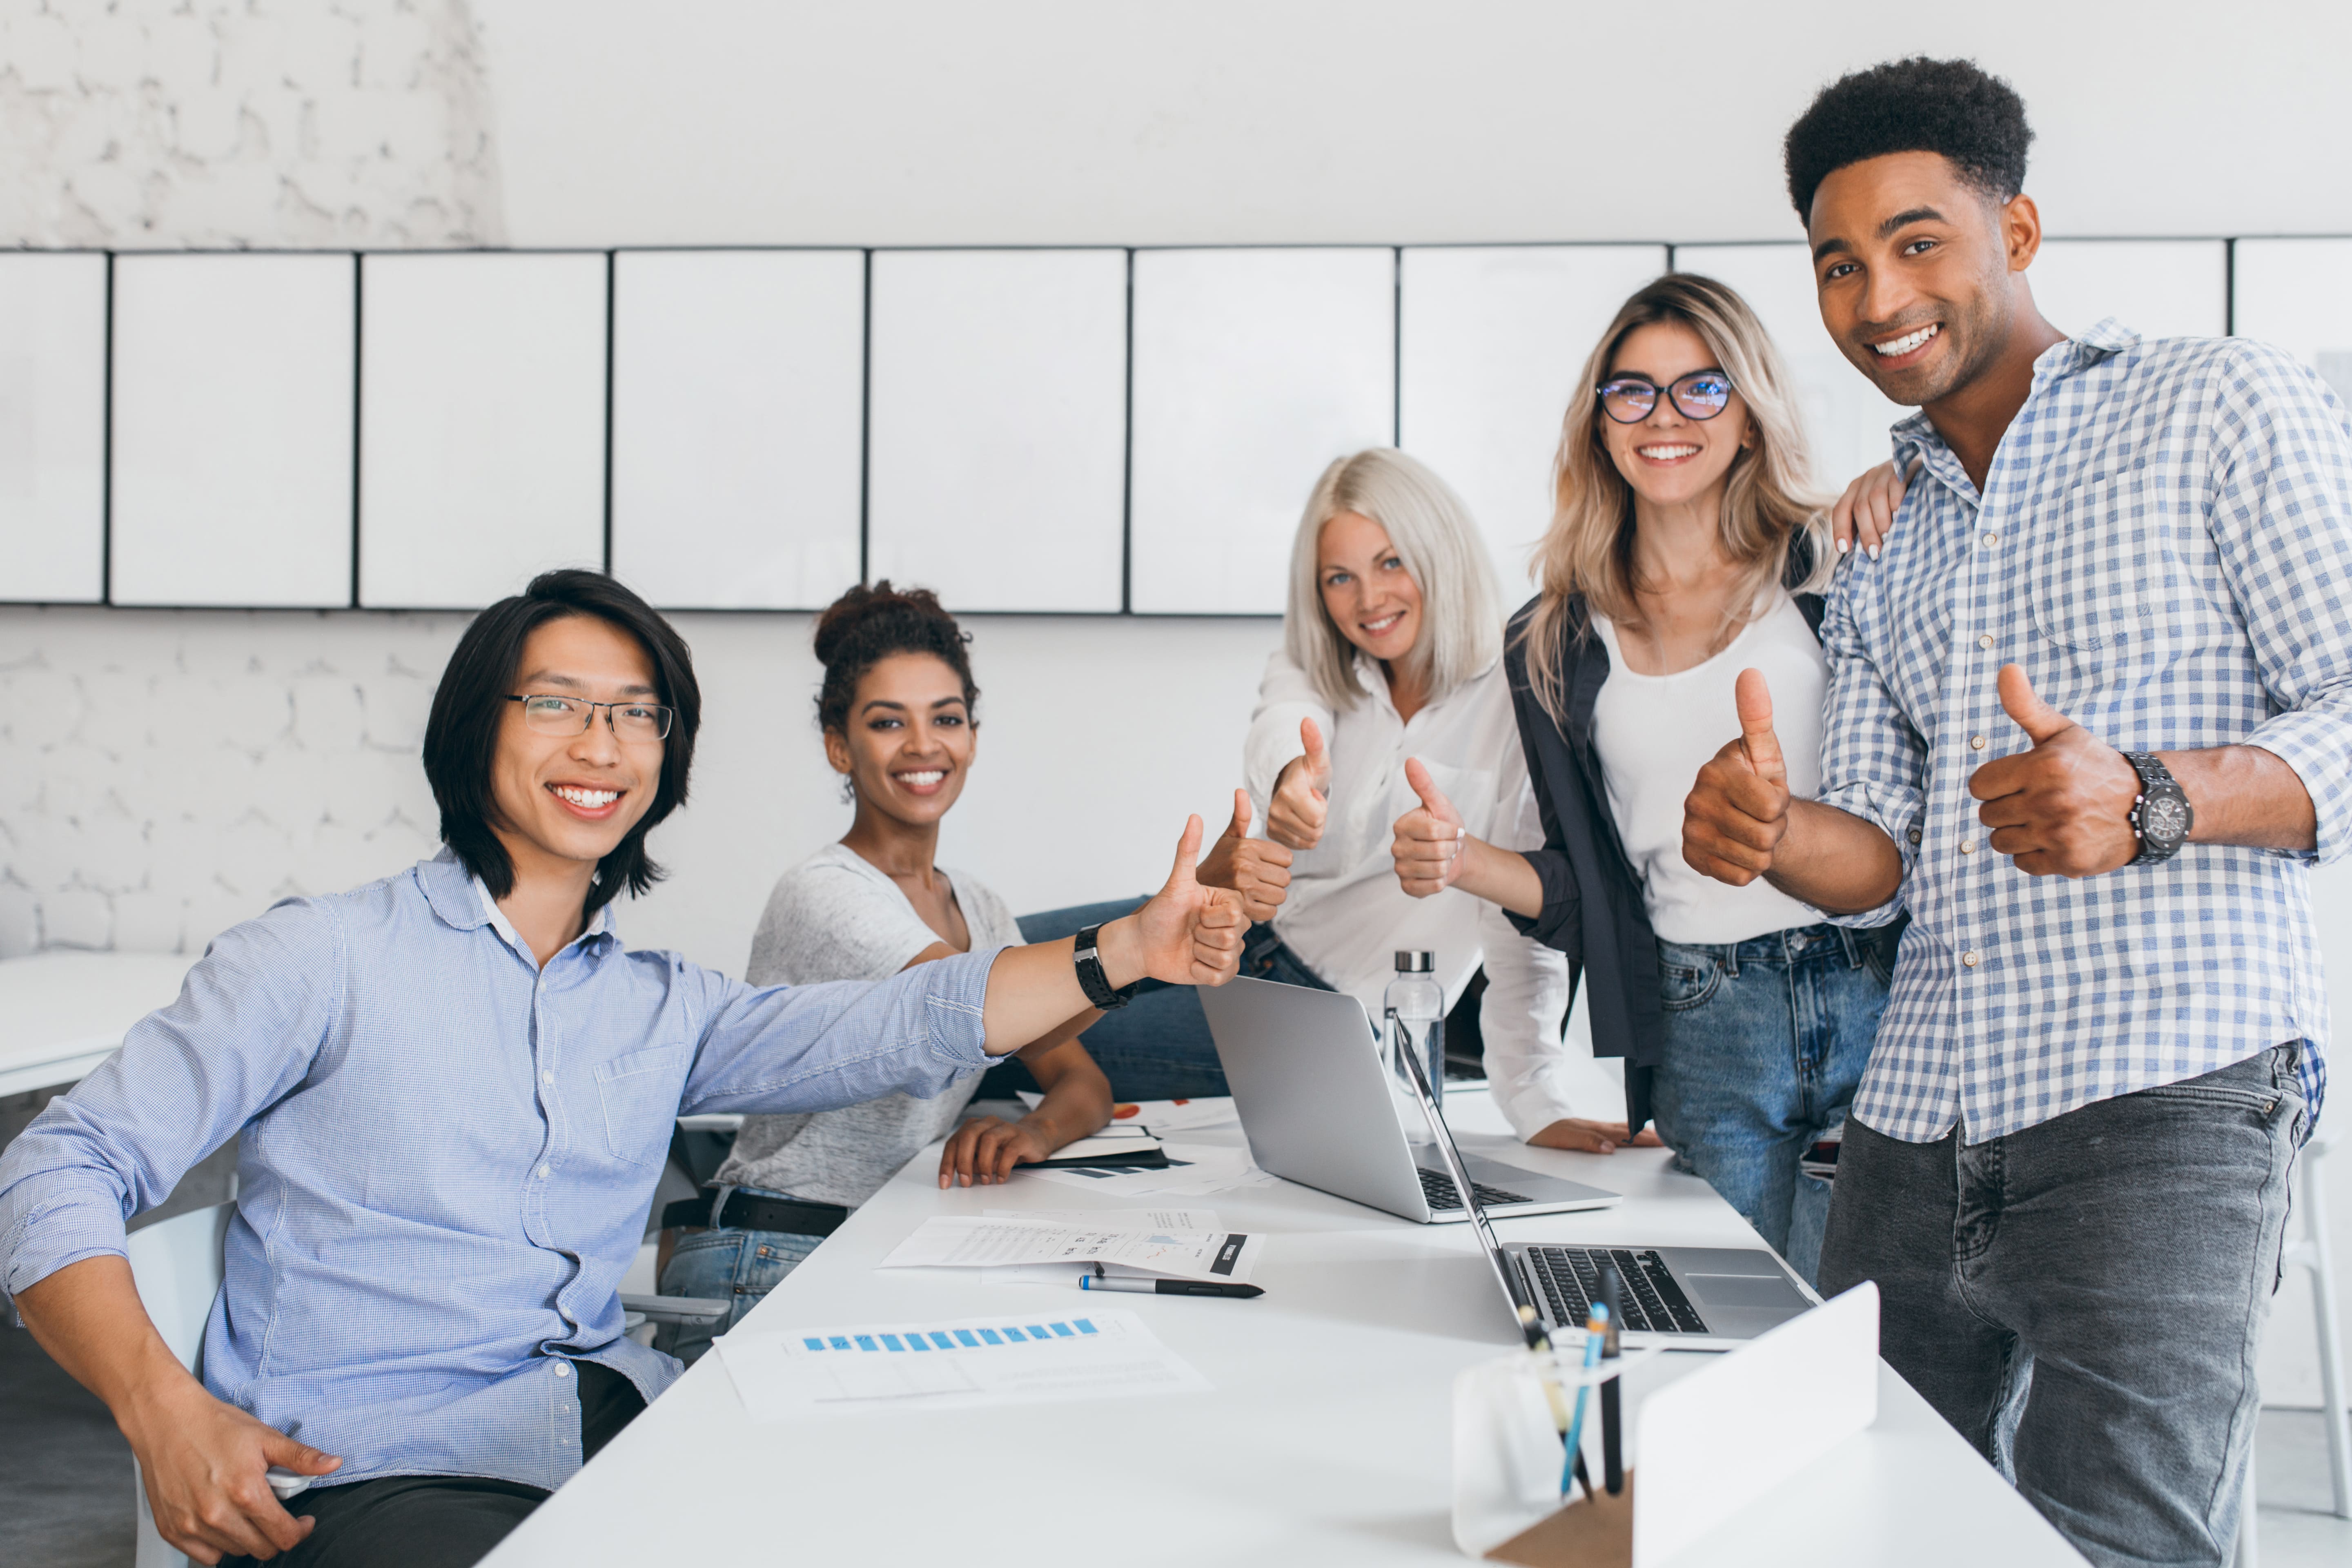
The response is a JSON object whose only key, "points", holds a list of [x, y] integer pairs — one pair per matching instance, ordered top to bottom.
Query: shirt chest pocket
{"points": [[2101, 577], [640, 1092]]}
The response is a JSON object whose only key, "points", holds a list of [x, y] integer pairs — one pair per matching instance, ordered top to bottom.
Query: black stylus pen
{"points": [[1167, 1287], [1613, 1464]]}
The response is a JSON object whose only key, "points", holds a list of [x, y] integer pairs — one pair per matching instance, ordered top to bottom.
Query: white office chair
{"points": [[2310, 1250], [177, 1267]]}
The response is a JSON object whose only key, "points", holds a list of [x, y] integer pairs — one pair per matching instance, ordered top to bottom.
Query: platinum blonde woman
{"points": [[1688, 544], [1392, 647]]}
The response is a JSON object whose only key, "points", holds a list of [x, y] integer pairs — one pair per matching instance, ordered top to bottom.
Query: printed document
{"points": [[971, 1241]]}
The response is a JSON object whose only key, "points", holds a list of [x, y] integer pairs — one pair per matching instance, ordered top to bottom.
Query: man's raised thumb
{"points": [[2040, 722], [1755, 737], [1238, 828], [1187, 852]]}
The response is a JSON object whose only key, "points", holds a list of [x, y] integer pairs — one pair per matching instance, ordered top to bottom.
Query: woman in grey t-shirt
{"points": [[897, 713]]}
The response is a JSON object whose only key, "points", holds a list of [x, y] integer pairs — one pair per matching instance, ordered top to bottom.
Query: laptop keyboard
{"points": [[1439, 1189], [1648, 1299]]}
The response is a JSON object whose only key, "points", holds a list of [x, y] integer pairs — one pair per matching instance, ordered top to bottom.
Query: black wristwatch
{"points": [[2160, 815], [1093, 981]]}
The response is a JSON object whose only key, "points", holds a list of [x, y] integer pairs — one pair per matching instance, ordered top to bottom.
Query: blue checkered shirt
{"points": [[2165, 544], [445, 1154]]}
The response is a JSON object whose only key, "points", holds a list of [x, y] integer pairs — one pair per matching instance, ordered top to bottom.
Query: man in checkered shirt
{"points": [[2089, 722]]}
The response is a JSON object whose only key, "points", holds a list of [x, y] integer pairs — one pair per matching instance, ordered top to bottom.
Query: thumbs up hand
{"points": [[1302, 794], [2063, 806], [1737, 814], [1430, 841], [1256, 869], [1189, 934]]}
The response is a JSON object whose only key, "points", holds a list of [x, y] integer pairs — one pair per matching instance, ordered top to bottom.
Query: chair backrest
{"points": [[176, 1264], [177, 1268]]}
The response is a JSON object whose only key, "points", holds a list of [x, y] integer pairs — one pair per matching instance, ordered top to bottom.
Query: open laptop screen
{"points": [[1514, 1296]]}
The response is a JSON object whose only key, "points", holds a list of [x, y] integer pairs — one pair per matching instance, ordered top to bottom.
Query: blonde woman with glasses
{"points": [[1687, 544], [1392, 647]]}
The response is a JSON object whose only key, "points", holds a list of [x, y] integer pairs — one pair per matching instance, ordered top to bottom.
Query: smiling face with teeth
{"points": [[1921, 274], [1669, 458], [1367, 591], [911, 741], [562, 802]]}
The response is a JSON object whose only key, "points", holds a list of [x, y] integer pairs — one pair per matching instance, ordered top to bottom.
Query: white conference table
{"points": [[61, 1013], [1327, 1438]]}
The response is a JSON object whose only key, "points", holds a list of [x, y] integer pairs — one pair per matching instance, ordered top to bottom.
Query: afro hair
{"points": [[1919, 105]]}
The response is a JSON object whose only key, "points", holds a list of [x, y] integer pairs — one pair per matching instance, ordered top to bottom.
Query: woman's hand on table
{"points": [[1574, 1132], [985, 1149]]}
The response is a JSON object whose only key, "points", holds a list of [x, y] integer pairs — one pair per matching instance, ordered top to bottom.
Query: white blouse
{"points": [[1346, 915]]}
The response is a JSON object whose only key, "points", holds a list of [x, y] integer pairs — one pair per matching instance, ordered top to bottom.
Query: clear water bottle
{"points": [[1416, 1000]]}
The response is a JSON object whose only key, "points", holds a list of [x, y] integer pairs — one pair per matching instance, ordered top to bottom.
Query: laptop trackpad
{"points": [[1741, 1291]]}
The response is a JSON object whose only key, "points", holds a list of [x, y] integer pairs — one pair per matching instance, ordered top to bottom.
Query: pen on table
{"points": [[1167, 1287], [1596, 1335], [1539, 1346], [1613, 1466]]}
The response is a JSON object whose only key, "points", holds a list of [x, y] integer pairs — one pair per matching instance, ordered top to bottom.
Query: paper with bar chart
{"points": [[964, 1363]]}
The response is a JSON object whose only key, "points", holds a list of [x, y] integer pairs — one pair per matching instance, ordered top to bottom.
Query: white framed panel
{"points": [[2158, 288], [2297, 294], [1494, 339], [1254, 369], [737, 391], [1846, 417], [482, 424], [52, 427], [233, 430], [998, 459]]}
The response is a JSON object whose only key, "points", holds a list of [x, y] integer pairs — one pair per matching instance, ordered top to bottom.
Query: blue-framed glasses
{"points": [[1701, 394]]}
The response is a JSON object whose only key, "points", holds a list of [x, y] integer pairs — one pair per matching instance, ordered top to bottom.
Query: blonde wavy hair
{"points": [[1768, 499], [1461, 617]]}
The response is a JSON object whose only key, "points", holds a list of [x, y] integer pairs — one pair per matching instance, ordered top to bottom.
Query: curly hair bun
{"points": [[870, 624]]}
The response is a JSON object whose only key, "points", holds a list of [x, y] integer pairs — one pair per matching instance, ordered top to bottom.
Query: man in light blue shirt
{"points": [[2089, 721], [452, 1092]]}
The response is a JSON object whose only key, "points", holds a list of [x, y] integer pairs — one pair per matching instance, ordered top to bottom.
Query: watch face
{"points": [[2164, 819]]}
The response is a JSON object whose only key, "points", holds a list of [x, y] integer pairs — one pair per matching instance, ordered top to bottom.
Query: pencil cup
{"points": [[1506, 1446]]}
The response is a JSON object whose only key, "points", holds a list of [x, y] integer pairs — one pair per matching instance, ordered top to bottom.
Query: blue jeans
{"points": [[1765, 1044], [1158, 1046], [731, 1265], [2084, 1299]]}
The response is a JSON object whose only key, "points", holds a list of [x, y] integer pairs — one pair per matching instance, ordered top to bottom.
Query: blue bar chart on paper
{"points": [[970, 1362]]}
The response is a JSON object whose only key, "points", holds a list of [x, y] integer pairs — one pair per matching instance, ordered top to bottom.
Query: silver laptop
{"points": [[1314, 1098], [1691, 1297]]}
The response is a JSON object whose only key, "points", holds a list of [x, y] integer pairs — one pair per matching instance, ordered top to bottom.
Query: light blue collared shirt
{"points": [[446, 1155]]}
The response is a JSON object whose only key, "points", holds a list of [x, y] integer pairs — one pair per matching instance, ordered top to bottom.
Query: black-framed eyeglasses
{"points": [[1701, 394], [552, 715]]}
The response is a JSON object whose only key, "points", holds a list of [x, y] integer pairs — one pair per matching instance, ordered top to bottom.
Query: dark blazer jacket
{"points": [[1592, 908]]}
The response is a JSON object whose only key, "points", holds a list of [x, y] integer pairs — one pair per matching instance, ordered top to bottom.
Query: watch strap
{"points": [[1091, 978]]}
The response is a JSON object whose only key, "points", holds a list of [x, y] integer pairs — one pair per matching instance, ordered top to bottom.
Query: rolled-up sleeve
{"points": [[2282, 520], [1873, 763], [251, 1018], [782, 1049]]}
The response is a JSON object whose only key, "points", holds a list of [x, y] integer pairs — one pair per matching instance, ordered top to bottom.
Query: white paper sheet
{"points": [[1161, 1116], [1110, 1143], [1118, 1219], [966, 1241], [957, 1364]]}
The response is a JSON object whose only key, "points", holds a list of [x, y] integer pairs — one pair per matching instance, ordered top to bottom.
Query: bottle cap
{"points": [[1412, 963]]}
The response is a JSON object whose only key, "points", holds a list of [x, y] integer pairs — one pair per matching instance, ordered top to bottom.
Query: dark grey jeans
{"points": [[2084, 1299]]}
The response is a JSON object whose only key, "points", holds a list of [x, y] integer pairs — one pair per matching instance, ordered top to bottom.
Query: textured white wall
{"points": [[237, 124]]}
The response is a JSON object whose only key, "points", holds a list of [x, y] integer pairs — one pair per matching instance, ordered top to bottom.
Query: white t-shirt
{"points": [[1655, 733], [835, 916], [1346, 916]]}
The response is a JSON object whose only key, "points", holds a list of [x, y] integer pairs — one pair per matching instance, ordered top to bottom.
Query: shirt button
{"points": [[1991, 539], [1985, 641], [1976, 742], [1913, 836], [1968, 846], [1969, 958], [547, 1078], [541, 1173], [564, 1369]]}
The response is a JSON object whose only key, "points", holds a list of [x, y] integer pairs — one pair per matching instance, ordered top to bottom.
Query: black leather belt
{"points": [[749, 1211]]}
